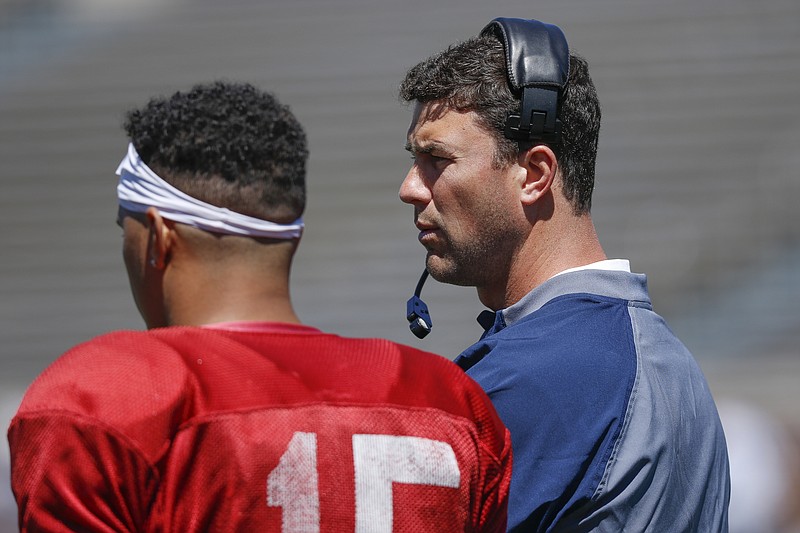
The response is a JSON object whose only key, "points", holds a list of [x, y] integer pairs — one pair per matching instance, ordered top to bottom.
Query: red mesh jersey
{"points": [[281, 429]]}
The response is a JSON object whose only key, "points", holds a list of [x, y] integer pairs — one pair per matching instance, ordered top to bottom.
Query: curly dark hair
{"points": [[472, 76], [227, 144]]}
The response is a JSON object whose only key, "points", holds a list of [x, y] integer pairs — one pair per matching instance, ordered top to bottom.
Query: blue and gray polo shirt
{"points": [[612, 422]]}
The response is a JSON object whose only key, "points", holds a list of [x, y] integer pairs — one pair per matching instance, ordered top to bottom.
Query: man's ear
{"points": [[540, 165], [160, 240]]}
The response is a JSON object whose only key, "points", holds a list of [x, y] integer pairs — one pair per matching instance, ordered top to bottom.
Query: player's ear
{"points": [[540, 166], [160, 240]]}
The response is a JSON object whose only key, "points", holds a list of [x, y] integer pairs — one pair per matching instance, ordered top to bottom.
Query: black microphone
{"points": [[417, 312]]}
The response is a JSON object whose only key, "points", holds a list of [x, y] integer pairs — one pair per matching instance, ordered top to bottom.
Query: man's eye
{"points": [[419, 157]]}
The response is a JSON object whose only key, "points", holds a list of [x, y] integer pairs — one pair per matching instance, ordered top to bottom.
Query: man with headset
{"points": [[228, 414], [612, 422]]}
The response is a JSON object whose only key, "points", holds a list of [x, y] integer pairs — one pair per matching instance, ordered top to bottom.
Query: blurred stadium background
{"points": [[697, 178]]}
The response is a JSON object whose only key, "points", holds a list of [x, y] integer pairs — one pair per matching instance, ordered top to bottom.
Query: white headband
{"points": [[139, 188]]}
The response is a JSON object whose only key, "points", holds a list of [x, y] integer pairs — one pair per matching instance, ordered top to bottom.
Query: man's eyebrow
{"points": [[426, 148], [417, 149]]}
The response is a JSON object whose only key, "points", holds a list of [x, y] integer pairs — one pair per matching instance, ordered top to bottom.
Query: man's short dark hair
{"points": [[472, 76], [227, 144]]}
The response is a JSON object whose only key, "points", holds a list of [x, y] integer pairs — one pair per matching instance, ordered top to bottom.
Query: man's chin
{"points": [[445, 271]]}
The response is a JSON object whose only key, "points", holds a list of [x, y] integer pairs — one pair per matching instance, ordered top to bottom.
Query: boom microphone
{"points": [[417, 312]]}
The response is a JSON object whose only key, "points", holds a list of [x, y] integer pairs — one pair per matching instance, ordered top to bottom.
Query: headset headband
{"points": [[537, 62]]}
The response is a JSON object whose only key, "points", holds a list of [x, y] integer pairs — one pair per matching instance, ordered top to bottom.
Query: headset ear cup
{"points": [[537, 64]]}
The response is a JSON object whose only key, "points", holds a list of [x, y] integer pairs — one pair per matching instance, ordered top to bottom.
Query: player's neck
{"points": [[205, 294], [251, 306]]}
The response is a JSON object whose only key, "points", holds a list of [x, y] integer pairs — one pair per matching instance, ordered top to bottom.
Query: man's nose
{"points": [[413, 189]]}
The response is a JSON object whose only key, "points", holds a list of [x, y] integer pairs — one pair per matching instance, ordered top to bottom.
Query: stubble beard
{"points": [[480, 262]]}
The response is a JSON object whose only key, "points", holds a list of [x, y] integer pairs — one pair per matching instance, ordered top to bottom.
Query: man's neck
{"points": [[545, 253]]}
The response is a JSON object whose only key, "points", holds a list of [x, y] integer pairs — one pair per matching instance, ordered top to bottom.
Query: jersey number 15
{"points": [[379, 461]]}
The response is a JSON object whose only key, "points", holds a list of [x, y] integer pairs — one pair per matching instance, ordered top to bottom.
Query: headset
{"points": [[537, 64]]}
